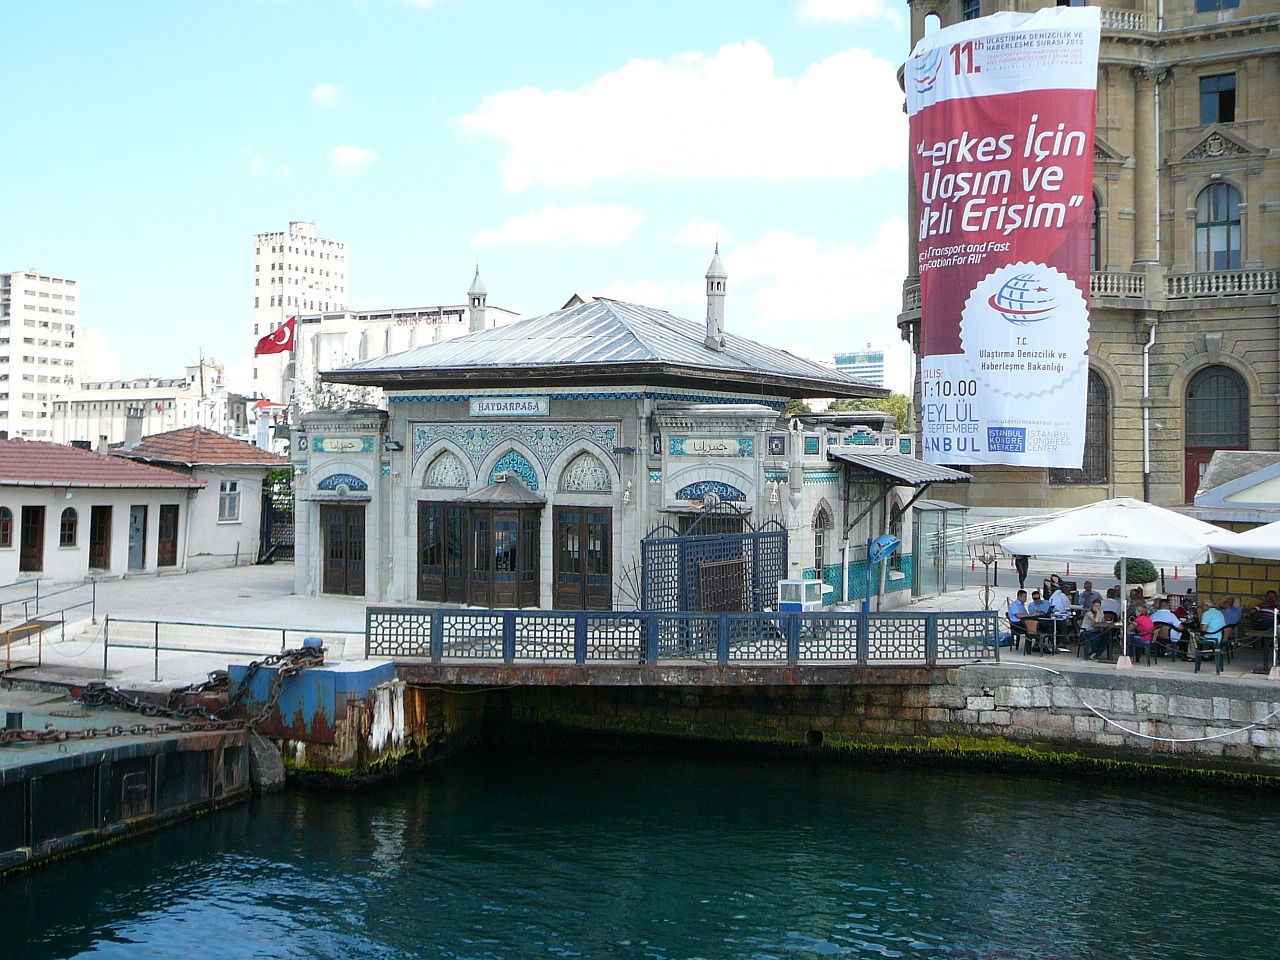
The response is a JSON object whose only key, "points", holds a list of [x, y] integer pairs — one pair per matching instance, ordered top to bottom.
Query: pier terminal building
{"points": [[523, 465]]}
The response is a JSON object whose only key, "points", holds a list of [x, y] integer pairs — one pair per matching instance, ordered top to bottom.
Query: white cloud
{"points": [[849, 11], [326, 95], [727, 116], [351, 158], [589, 224], [702, 233], [818, 298]]}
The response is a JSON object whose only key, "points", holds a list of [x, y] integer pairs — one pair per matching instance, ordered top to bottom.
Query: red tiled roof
{"points": [[192, 445], [36, 463]]}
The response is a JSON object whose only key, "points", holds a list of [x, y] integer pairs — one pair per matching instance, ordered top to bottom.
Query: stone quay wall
{"points": [[1142, 724]]}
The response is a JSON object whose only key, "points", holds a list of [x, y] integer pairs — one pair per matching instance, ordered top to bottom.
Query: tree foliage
{"points": [[897, 404]]}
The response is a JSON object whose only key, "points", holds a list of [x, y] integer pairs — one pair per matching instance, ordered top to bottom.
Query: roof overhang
{"points": [[763, 382], [899, 469]]}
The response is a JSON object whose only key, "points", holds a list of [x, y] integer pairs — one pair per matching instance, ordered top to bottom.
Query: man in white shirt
{"points": [[1111, 603], [1059, 604], [1162, 614]]}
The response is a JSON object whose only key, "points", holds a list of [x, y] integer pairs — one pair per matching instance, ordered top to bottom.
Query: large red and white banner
{"points": [[1002, 118]]}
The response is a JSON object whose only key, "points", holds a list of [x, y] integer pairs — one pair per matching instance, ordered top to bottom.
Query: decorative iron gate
{"points": [[275, 533], [721, 562]]}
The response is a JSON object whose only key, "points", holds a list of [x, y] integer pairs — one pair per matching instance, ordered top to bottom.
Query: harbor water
{"points": [[500, 854]]}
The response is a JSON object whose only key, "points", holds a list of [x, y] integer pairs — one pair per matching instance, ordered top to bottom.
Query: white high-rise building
{"points": [[294, 272], [37, 349], [866, 365]]}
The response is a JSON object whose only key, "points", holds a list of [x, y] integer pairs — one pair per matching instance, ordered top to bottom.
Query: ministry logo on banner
{"points": [[1002, 119]]}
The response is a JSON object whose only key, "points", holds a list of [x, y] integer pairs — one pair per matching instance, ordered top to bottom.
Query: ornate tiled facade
{"points": [[546, 441]]}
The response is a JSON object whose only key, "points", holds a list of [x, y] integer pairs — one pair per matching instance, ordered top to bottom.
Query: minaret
{"points": [[716, 278], [476, 297]]}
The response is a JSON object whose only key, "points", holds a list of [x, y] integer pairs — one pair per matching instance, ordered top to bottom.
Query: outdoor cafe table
{"points": [[1059, 630]]}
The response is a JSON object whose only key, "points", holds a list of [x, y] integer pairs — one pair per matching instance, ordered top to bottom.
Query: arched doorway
{"points": [[1217, 418]]}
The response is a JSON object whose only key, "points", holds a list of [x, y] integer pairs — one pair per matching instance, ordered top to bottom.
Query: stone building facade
{"points": [[1185, 292]]}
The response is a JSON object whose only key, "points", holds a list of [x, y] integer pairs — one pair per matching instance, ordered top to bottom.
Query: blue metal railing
{"points": [[587, 636]]}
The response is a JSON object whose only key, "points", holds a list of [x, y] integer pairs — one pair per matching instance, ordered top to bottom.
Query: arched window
{"points": [[1218, 228], [1217, 409], [1217, 418], [1096, 465], [446, 470], [585, 474], [821, 524], [6, 527], [67, 528]]}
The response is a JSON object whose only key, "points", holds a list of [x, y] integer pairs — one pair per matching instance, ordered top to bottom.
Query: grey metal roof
{"points": [[603, 341], [1228, 465], [902, 469], [505, 492]]}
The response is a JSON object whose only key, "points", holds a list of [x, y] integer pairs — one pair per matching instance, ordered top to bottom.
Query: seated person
{"points": [[1088, 595], [1136, 599], [1060, 603], [1112, 603], [1037, 607], [1186, 611], [1232, 611], [1264, 613], [1017, 614], [1162, 614], [1212, 626], [1141, 628], [1095, 630]]}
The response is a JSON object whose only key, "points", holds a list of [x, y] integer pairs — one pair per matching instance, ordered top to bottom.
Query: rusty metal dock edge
{"points": [[54, 805]]}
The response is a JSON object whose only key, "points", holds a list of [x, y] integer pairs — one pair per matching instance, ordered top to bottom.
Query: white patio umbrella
{"points": [[1119, 529], [1261, 543]]}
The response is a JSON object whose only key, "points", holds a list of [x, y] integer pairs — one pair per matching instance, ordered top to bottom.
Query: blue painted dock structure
{"points": [[314, 704]]}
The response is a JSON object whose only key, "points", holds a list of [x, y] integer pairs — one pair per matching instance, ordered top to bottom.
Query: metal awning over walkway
{"points": [[900, 469]]}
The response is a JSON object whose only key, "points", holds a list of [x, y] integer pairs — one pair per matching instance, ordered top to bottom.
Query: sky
{"points": [[567, 147]]}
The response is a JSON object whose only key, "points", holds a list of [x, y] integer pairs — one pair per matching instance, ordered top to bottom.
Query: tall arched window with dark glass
{"points": [[1218, 245], [1217, 418], [1096, 465]]}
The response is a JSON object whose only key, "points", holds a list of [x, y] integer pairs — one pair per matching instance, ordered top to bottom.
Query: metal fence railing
{"points": [[587, 636], [222, 639]]}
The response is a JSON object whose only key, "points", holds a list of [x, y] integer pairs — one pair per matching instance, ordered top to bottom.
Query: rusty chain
{"points": [[290, 663]]}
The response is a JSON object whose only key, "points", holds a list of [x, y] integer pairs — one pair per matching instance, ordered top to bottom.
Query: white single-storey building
{"points": [[67, 513], [226, 514]]}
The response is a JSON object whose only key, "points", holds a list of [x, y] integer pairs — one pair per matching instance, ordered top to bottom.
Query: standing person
{"points": [[1021, 563]]}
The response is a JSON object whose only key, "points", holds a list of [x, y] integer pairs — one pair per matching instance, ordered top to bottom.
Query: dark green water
{"points": [[503, 855]]}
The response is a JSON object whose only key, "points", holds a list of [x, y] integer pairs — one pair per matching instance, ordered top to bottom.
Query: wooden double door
{"points": [[344, 548], [486, 556], [583, 558]]}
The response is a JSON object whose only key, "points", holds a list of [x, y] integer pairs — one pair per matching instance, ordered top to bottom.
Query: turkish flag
{"points": [[279, 340]]}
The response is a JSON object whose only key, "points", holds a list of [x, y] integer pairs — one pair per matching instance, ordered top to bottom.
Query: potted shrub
{"points": [[1139, 573]]}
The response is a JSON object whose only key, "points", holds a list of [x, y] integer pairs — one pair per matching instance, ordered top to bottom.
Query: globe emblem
{"points": [[925, 70], [1022, 299]]}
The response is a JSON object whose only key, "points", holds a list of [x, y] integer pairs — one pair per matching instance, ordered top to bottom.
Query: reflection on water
{"points": [[518, 855]]}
